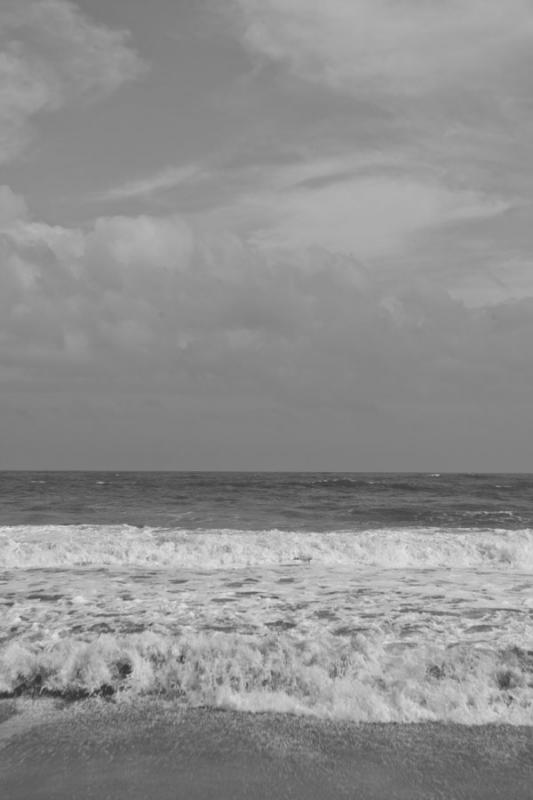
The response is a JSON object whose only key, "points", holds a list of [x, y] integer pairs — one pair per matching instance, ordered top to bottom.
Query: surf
{"points": [[63, 546], [362, 678]]}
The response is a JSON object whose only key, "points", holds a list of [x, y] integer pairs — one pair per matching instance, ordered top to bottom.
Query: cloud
{"points": [[384, 45], [50, 53], [163, 180], [367, 205], [366, 217], [151, 242], [363, 281], [69, 294], [146, 298], [243, 348]]}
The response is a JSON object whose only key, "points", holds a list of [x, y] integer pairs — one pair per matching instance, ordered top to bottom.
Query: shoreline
{"points": [[159, 751]]}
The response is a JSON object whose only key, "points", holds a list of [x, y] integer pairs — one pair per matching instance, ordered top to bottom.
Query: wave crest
{"points": [[63, 546], [361, 678]]}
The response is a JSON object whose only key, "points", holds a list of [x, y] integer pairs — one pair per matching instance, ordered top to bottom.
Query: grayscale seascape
{"points": [[266, 400]]}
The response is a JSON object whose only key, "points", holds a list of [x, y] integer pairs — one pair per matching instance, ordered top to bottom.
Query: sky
{"points": [[266, 235]]}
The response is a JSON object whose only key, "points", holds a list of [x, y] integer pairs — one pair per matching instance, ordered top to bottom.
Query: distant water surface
{"points": [[255, 501]]}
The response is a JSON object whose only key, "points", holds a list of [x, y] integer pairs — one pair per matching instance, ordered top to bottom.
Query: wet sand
{"points": [[99, 750]]}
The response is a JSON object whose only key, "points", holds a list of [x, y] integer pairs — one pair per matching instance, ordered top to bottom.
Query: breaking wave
{"points": [[63, 546], [358, 678]]}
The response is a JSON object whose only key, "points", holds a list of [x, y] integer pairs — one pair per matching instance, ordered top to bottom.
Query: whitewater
{"points": [[126, 545], [394, 618], [388, 626]]}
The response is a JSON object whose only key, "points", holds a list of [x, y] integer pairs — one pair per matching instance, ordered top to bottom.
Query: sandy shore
{"points": [[101, 750]]}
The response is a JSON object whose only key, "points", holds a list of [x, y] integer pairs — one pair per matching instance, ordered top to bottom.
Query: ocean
{"points": [[290, 601]]}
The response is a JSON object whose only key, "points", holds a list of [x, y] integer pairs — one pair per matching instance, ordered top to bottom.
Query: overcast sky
{"points": [[266, 234]]}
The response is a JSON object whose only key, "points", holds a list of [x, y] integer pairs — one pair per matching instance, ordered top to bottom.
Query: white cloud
{"points": [[411, 46], [51, 53], [163, 180], [368, 204], [364, 216], [150, 242], [142, 296]]}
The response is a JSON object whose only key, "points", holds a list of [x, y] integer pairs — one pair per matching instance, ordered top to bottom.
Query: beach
{"points": [[103, 750]]}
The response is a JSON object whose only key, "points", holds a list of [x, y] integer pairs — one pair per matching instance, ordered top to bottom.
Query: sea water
{"points": [[348, 597]]}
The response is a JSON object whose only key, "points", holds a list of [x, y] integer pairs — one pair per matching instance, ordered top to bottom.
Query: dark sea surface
{"points": [[260, 501], [359, 597]]}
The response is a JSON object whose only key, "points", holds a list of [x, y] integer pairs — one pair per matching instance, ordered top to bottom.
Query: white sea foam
{"points": [[114, 545], [397, 624], [359, 678]]}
